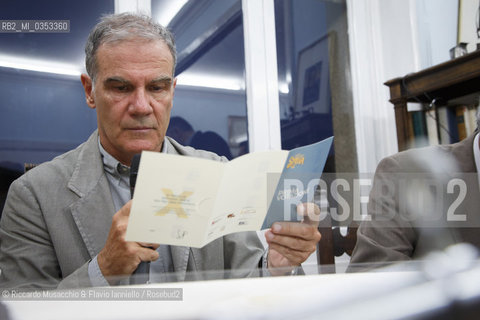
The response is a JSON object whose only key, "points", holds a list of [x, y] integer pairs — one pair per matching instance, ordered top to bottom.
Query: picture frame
{"points": [[312, 93]]}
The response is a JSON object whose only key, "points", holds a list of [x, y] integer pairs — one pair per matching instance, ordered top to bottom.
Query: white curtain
{"points": [[382, 46]]}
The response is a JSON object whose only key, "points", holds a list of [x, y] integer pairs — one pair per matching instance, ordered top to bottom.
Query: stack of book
{"points": [[442, 125]]}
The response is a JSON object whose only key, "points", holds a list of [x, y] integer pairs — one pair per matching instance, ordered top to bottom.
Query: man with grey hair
{"points": [[422, 200], [64, 221]]}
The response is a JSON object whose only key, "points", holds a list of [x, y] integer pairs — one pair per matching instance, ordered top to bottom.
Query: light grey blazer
{"points": [[57, 217], [397, 239]]}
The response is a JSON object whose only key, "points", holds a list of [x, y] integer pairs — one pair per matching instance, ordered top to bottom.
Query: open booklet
{"points": [[189, 201]]}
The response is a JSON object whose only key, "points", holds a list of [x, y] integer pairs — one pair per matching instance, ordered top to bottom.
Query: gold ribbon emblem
{"points": [[295, 160], [174, 203]]}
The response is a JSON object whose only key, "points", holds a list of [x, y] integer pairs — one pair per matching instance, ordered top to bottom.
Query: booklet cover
{"points": [[298, 181], [189, 201]]}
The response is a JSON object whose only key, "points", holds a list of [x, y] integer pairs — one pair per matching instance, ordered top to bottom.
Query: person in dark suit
{"points": [[182, 131], [422, 200]]}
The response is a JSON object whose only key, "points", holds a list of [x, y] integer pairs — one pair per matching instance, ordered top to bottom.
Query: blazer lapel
{"points": [[94, 209], [93, 216]]}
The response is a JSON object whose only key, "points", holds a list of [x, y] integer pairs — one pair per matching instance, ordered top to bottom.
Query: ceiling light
{"points": [[39, 66], [185, 79], [215, 82]]}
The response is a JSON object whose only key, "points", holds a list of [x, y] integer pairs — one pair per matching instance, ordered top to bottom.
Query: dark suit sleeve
{"points": [[387, 237]]}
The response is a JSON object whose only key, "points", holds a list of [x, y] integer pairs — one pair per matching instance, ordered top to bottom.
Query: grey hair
{"points": [[124, 27]]}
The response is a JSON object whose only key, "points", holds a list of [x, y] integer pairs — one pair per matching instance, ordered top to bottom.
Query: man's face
{"points": [[133, 96]]}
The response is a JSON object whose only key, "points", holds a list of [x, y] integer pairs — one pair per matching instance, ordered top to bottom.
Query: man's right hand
{"points": [[119, 258]]}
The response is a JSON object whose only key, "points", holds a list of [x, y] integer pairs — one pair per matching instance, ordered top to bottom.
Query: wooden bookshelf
{"points": [[453, 80]]}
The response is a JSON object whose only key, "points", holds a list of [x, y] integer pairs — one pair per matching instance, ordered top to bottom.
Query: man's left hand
{"points": [[291, 243]]}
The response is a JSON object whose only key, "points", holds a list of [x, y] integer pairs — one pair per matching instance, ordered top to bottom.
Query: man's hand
{"points": [[291, 243], [119, 258]]}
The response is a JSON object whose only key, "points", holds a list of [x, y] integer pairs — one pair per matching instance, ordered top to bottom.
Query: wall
{"points": [[467, 24], [437, 30], [42, 116]]}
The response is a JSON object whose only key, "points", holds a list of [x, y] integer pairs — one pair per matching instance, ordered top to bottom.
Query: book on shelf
{"points": [[461, 113], [471, 119], [466, 120], [422, 125], [447, 125], [419, 128], [432, 128], [187, 201]]}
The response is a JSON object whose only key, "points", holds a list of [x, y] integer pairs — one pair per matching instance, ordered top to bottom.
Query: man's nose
{"points": [[140, 103]]}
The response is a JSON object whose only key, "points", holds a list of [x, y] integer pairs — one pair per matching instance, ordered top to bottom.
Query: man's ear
{"points": [[88, 87]]}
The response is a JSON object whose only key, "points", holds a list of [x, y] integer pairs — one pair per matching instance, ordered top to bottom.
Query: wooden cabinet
{"points": [[455, 79]]}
